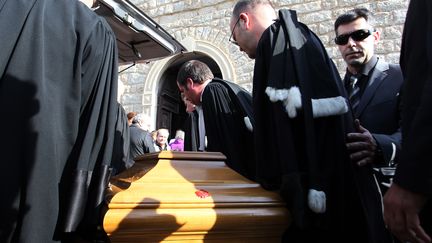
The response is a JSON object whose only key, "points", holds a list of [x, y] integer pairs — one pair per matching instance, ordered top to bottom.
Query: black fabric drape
{"points": [[58, 90], [191, 141], [414, 171]]}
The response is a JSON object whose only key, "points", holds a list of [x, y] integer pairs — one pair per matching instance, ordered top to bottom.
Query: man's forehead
{"points": [[359, 23]]}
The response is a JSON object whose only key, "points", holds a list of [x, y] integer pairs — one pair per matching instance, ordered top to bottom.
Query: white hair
{"points": [[143, 120], [180, 134]]}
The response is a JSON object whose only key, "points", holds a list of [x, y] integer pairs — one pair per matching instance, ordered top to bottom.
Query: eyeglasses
{"points": [[232, 33], [357, 35]]}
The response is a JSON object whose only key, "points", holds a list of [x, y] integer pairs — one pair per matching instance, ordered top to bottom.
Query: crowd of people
{"points": [[143, 141], [349, 156]]}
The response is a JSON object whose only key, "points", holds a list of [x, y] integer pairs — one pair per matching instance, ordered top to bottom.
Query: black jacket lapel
{"points": [[377, 77]]}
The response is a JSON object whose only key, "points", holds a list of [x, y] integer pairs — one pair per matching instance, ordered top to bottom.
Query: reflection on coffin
{"points": [[191, 197]]}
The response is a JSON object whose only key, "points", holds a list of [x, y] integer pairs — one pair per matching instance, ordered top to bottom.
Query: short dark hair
{"points": [[242, 5], [352, 15], [198, 71]]}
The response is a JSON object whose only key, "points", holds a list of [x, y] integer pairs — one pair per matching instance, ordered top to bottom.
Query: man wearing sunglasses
{"points": [[373, 87]]}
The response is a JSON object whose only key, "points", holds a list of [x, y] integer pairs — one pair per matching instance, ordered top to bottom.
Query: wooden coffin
{"points": [[191, 197]]}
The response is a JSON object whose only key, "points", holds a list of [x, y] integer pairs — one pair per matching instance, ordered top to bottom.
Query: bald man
{"points": [[301, 118]]}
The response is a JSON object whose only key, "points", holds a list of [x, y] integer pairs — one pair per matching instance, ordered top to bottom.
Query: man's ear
{"points": [[245, 20], [376, 36], [189, 83]]}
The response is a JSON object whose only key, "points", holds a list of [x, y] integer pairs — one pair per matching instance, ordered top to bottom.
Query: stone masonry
{"points": [[208, 20]]}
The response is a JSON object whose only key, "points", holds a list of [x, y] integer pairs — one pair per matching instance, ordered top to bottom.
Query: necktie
{"points": [[354, 95], [201, 128]]}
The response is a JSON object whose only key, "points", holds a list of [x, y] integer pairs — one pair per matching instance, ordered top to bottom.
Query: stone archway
{"points": [[161, 98], [170, 108]]}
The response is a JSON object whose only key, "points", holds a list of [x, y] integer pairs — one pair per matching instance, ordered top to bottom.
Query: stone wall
{"points": [[208, 20]]}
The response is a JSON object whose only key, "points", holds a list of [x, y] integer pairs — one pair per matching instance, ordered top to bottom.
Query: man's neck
{"points": [[365, 68], [354, 69], [160, 145]]}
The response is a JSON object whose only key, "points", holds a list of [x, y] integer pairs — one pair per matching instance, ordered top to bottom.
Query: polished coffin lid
{"points": [[191, 197]]}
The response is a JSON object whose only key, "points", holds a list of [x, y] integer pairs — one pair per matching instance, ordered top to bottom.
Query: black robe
{"points": [[58, 91], [225, 106], [301, 117], [191, 141], [121, 157], [414, 171]]}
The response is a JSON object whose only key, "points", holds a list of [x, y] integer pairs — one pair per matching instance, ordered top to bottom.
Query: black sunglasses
{"points": [[232, 33], [357, 35]]}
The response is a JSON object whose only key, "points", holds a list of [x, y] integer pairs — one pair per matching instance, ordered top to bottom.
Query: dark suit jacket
{"points": [[379, 108], [141, 142], [415, 170]]}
